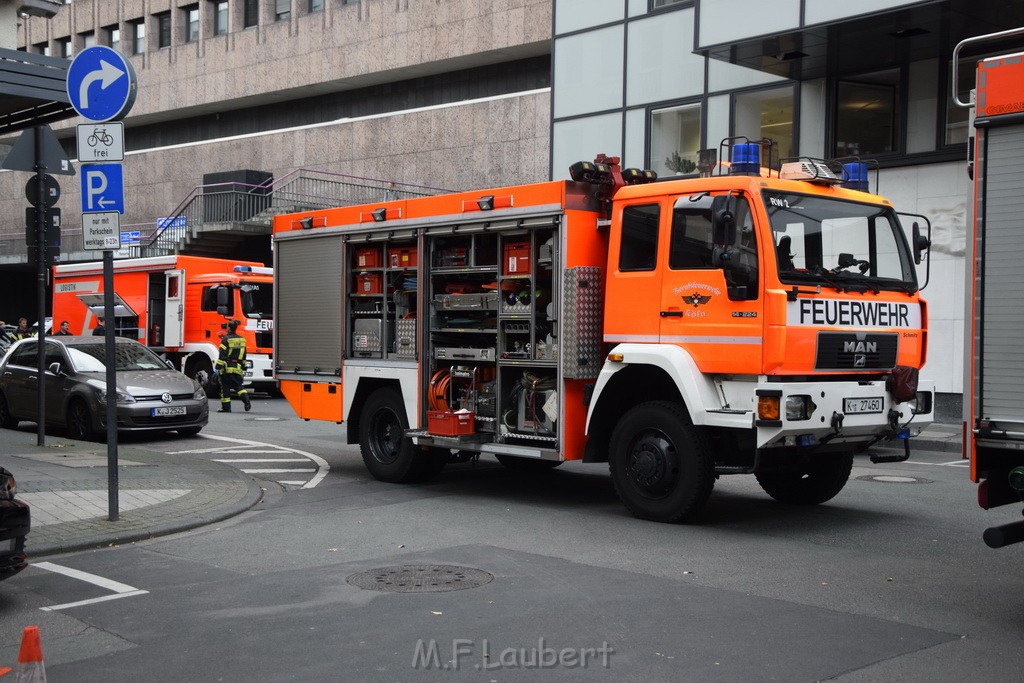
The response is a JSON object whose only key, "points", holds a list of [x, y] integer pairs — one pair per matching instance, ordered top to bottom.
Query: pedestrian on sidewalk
{"points": [[231, 368]]}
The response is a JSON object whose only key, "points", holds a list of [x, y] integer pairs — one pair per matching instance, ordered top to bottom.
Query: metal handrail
{"points": [[970, 41]]}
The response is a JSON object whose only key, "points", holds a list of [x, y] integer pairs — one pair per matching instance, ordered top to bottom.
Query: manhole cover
{"points": [[893, 479], [420, 578]]}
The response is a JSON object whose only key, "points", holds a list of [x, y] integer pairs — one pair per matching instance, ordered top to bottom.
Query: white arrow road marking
{"points": [[106, 74], [247, 447], [121, 590]]}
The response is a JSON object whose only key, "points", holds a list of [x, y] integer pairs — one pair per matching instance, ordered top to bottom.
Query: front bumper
{"points": [[139, 417], [832, 418], [15, 522]]}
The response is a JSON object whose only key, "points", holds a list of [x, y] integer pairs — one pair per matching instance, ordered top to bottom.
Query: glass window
{"points": [[655, 4], [316, 5], [283, 10], [250, 13], [220, 18], [192, 24], [163, 27], [113, 34], [138, 37], [88, 39], [42, 48], [64, 48], [766, 114], [866, 114], [675, 140], [693, 242], [690, 245], [639, 246], [257, 299], [210, 300], [26, 355]]}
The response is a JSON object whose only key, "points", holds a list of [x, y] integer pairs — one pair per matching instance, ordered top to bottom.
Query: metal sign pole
{"points": [[41, 261], [111, 356]]}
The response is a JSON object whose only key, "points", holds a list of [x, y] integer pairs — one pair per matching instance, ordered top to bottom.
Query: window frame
{"points": [[221, 24], [192, 28], [138, 36], [164, 36], [688, 103], [899, 112], [794, 124], [643, 246]]}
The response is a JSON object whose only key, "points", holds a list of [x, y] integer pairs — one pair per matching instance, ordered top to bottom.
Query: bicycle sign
{"points": [[101, 141]]}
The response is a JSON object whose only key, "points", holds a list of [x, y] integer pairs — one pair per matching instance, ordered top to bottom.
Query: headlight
{"points": [[199, 394], [122, 397], [799, 407], [7, 487]]}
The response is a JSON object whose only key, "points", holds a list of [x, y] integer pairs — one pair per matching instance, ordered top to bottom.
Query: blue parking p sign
{"points": [[101, 84], [102, 188]]}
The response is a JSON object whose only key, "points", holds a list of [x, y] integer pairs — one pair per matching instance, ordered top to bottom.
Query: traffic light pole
{"points": [[42, 259]]}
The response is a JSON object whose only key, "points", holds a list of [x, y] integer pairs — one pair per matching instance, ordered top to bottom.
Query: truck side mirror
{"points": [[723, 219], [921, 243], [223, 299]]}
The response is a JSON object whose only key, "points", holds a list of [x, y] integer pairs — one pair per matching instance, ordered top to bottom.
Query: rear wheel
{"points": [[7, 420], [80, 421], [387, 453], [517, 464], [661, 465], [814, 483]]}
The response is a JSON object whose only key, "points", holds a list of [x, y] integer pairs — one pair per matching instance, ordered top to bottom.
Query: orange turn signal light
{"points": [[615, 357], [768, 407]]}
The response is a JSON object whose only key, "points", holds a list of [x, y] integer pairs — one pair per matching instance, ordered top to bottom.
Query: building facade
{"points": [[656, 81], [420, 94]]}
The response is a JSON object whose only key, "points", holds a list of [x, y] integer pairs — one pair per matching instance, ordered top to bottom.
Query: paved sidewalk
{"points": [[65, 483]]}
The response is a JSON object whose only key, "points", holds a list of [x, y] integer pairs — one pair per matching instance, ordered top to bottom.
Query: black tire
{"points": [[199, 368], [7, 420], [80, 421], [189, 431], [387, 453], [517, 464], [661, 465], [813, 484]]}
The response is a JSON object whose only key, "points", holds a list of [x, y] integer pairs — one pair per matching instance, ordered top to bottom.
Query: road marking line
{"points": [[249, 451], [260, 460], [955, 463], [322, 466], [278, 471], [290, 483], [121, 590], [105, 598]]}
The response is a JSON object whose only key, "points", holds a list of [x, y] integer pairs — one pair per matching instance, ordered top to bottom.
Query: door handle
{"points": [[671, 314]]}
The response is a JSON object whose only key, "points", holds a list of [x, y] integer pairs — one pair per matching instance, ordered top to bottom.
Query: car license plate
{"points": [[862, 405], [168, 411]]}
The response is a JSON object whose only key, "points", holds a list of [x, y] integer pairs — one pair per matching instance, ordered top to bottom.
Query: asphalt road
{"points": [[888, 581]]}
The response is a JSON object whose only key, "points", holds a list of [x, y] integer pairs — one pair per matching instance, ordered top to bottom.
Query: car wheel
{"points": [[200, 369], [7, 420], [80, 421], [189, 431], [387, 453], [517, 464], [661, 465], [819, 481]]}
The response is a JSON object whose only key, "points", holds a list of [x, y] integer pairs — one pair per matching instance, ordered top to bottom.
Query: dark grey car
{"points": [[150, 395]]}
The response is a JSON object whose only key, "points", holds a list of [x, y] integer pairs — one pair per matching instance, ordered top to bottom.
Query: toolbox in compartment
{"points": [[368, 257], [402, 258], [517, 258], [369, 283], [484, 301], [366, 336], [405, 338], [450, 423]]}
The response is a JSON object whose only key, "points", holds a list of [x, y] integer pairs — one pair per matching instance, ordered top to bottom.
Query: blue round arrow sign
{"points": [[101, 84]]}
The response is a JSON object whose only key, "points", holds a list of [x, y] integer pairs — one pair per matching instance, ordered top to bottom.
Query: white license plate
{"points": [[862, 405], [168, 411]]}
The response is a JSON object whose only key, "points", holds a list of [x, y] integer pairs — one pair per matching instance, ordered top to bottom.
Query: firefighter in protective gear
{"points": [[231, 368]]}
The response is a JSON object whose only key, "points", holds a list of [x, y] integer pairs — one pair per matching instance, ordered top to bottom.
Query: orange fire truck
{"points": [[177, 306], [754, 321], [993, 373]]}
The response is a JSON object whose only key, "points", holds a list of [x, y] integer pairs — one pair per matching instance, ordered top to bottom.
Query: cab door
{"points": [[710, 302], [174, 308]]}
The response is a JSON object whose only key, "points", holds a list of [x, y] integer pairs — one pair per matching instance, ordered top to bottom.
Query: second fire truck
{"points": [[764, 322]]}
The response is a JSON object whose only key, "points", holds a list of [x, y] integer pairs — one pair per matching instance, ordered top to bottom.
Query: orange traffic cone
{"points": [[30, 658]]}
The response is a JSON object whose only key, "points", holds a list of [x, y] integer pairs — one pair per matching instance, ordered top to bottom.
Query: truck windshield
{"points": [[847, 245], [257, 299]]}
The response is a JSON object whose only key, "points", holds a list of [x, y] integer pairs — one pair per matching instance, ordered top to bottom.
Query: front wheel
{"points": [[80, 421], [387, 453], [661, 465], [814, 483]]}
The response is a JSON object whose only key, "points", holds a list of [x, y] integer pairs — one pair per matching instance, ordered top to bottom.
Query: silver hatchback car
{"points": [[150, 395]]}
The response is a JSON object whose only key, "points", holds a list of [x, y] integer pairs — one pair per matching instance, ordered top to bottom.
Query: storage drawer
{"points": [[368, 257], [369, 283], [447, 423]]}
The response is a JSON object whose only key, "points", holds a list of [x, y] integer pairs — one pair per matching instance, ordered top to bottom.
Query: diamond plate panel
{"points": [[581, 333]]}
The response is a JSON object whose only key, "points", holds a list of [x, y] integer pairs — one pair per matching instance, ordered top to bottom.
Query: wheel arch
{"points": [[648, 372], [366, 387]]}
